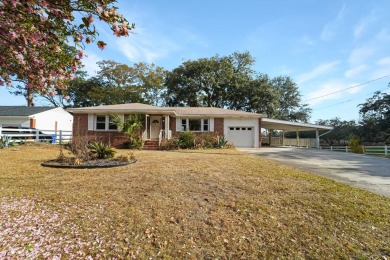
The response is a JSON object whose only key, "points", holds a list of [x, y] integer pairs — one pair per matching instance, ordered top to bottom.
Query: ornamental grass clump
{"points": [[6, 141], [101, 150]]}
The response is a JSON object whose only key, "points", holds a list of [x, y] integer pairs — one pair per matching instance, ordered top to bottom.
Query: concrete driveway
{"points": [[365, 172]]}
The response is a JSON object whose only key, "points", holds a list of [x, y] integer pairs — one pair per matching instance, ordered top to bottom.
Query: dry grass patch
{"points": [[185, 205]]}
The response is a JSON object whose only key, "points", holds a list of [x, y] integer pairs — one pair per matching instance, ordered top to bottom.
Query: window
{"points": [[100, 122], [103, 123], [183, 124], [195, 124], [111, 125], [205, 125]]}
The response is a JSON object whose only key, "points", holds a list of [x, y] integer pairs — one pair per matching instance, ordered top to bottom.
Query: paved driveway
{"points": [[365, 172]]}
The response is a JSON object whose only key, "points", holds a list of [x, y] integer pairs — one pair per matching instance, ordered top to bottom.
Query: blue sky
{"points": [[324, 46]]}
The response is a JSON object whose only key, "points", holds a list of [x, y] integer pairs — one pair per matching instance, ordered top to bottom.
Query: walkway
{"points": [[365, 172]]}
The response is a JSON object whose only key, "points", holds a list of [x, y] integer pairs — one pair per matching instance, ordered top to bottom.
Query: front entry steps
{"points": [[151, 145]]}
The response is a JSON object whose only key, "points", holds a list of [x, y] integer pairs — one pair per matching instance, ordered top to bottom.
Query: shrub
{"points": [[132, 127], [186, 140], [206, 140], [6, 141], [135, 142], [222, 142], [171, 144], [355, 146], [101, 150], [127, 157]]}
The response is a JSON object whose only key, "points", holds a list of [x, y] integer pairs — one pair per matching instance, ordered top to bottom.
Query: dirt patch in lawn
{"points": [[183, 205]]}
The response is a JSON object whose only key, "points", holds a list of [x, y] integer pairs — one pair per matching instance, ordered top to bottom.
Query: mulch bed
{"points": [[98, 163]]}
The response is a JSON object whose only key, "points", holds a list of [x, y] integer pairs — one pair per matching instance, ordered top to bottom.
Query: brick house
{"points": [[240, 128], [243, 129]]}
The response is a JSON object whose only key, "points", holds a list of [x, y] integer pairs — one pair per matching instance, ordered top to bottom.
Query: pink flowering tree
{"points": [[35, 35]]}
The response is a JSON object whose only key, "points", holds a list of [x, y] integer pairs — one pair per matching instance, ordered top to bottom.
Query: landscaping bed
{"points": [[98, 163]]}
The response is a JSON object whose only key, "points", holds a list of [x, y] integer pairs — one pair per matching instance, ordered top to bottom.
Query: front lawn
{"points": [[186, 205]]}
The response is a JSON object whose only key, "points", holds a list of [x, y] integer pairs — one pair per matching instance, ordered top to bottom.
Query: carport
{"points": [[286, 126]]}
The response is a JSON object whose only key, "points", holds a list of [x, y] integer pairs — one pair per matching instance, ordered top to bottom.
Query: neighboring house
{"points": [[43, 118], [243, 129]]}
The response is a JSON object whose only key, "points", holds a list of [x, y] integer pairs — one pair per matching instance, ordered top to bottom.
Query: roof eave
{"points": [[219, 115]]}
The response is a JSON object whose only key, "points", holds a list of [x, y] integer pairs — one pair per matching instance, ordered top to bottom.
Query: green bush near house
{"points": [[132, 127], [186, 140], [190, 140], [135, 142], [355, 146], [101, 150]]}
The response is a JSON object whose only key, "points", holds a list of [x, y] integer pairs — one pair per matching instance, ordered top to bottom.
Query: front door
{"points": [[155, 123]]}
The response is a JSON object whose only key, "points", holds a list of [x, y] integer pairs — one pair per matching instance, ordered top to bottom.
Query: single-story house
{"points": [[43, 118], [243, 129]]}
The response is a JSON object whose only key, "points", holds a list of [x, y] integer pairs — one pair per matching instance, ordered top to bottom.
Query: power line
{"points": [[347, 88], [344, 101], [334, 104]]}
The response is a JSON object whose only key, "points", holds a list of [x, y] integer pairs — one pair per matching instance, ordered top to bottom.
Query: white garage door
{"points": [[241, 136]]}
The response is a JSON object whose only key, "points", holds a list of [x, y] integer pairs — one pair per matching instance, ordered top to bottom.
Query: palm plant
{"points": [[132, 127]]}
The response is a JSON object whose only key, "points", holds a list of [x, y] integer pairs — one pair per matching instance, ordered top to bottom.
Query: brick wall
{"points": [[172, 125], [218, 125], [80, 128]]}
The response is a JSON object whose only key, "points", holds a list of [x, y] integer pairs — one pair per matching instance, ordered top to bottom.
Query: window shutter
{"points": [[90, 122], [178, 124], [211, 126]]}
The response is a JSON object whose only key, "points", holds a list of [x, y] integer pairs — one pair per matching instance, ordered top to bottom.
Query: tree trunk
{"points": [[30, 97]]}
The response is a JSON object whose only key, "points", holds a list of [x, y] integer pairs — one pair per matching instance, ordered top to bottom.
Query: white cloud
{"points": [[363, 25], [330, 28], [305, 40], [149, 46], [145, 47], [358, 56], [384, 61], [90, 65], [383, 68], [317, 71], [355, 71], [326, 92]]}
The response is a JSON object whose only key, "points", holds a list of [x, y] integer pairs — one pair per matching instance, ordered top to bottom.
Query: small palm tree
{"points": [[132, 127]]}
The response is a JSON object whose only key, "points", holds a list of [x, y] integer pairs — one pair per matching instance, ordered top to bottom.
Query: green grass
{"points": [[198, 204]]}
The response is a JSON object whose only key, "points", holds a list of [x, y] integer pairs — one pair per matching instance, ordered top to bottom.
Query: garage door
{"points": [[241, 136]]}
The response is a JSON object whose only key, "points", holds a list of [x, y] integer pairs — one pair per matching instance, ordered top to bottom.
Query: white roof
{"points": [[291, 126]]}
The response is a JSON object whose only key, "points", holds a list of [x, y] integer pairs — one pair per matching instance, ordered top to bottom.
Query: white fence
{"points": [[19, 135], [278, 141], [301, 142], [369, 150]]}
